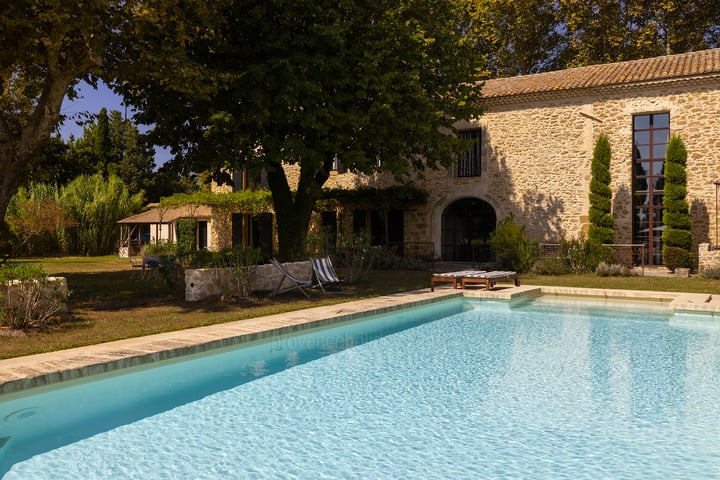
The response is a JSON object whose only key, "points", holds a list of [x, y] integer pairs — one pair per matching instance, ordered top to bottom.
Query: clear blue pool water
{"points": [[545, 389]]}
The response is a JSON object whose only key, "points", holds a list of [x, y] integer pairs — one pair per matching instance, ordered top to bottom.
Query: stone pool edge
{"points": [[677, 301], [32, 371], [24, 373]]}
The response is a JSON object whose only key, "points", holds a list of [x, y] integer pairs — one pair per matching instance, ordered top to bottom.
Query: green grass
{"points": [[694, 284], [107, 304]]}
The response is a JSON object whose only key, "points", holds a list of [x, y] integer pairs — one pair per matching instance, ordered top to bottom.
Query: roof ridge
{"points": [[666, 67]]}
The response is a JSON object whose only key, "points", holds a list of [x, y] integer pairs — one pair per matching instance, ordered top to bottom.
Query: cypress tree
{"points": [[102, 146], [600, 214], [677, 238]]}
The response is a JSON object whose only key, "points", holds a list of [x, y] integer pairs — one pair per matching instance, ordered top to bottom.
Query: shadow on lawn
{"points": [[117, 291], [111, 305]]}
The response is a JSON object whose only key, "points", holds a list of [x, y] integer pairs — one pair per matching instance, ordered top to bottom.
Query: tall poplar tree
{"points": [[518, 37], [114, 146], [102, 148]]}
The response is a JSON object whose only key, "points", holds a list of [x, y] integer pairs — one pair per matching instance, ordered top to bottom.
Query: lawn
{"points": [[107, 304]]}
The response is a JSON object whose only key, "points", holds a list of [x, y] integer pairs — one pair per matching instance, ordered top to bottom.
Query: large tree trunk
{"points": [[49, 64], [17, 148], [11, 172], [292, 214]]}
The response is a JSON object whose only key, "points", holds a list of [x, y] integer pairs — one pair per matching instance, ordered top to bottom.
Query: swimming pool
{"points": [[460, 389]]}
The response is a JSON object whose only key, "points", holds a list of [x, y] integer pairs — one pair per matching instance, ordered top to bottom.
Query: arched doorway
{"points": [[466, 223]]}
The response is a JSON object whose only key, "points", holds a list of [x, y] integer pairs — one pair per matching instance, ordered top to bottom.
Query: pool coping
{"points": [[32, 371]]}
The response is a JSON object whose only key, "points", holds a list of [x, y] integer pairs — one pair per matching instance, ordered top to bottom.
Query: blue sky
{"points": [[92, 101]]}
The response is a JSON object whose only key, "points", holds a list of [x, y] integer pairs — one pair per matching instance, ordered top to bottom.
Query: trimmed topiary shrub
{"points": [[600, 214], [677, 238]]}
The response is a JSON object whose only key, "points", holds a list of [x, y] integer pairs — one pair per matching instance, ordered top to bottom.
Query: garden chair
{"points": [[137, 268], [151, 268], [325, 273], [296, 283]]}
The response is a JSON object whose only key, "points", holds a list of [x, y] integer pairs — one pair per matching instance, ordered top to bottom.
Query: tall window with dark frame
{"points": [[650, 137], [468, 164]]}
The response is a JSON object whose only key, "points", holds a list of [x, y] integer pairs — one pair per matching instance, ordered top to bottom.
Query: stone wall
{"points": [[694, 111], [537, 153], [536, 158], [220, 230], [708, 258], [204, 283], [55, 285]]}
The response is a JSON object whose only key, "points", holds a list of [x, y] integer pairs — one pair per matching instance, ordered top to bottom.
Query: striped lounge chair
{"points": [[324, 273], [295, 283]]}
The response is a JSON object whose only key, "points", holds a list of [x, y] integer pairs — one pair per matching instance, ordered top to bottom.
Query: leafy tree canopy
{"points": [[518, 36], [530, 36], [49, 46], [375, 85], [114, 146], [397, 196]]}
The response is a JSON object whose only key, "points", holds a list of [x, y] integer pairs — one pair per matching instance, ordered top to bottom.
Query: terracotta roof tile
{"points": [[694, 64], [169, 215]]}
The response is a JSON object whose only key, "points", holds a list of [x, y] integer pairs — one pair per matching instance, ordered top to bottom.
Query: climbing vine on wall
{"points": [[395, 197], [251, 202]]}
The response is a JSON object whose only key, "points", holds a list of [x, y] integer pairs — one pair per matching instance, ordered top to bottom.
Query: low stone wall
{"points": [[707, 257], [204, 283], [59, 286]]}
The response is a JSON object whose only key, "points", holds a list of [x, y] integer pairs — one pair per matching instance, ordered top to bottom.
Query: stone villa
{"points": [[535, 143], [533, 154]]}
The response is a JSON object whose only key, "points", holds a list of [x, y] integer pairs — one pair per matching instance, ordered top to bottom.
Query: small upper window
{"points": [[469, 163], [337, 165], [237, 179]]}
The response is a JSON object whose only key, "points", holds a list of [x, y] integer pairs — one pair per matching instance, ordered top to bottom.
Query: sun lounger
{"points": [[325, 273], [451, 277], [489, 278], [296, 283]]}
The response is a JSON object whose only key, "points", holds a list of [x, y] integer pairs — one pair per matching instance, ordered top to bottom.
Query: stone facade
{"points": [[537, 138], [537, 151], [708, 258]]}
